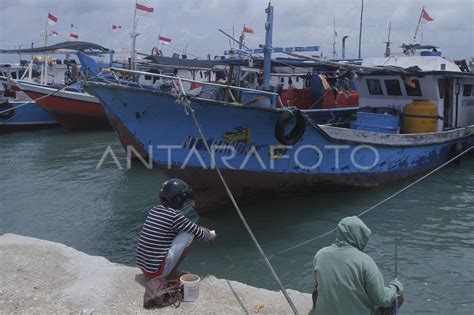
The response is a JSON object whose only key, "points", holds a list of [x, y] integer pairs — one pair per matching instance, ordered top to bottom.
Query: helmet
{"points": [[175, 192]]}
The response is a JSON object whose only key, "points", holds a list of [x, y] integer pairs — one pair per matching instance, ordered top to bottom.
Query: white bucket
{"points": [[190, 287]]}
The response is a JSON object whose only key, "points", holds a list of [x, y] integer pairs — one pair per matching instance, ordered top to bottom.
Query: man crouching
{"points": [[167, 234]]}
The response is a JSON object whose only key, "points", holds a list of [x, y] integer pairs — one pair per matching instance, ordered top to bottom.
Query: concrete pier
{"points": [[38, 276]]}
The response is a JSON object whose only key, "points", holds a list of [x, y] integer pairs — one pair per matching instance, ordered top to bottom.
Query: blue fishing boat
{"points": [[17, 111], [416, 113], [24, 115]]}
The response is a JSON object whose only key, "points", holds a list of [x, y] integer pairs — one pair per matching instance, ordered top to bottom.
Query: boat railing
{"points": [[178, 84]]}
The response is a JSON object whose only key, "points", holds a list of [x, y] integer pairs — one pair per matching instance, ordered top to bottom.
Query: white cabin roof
{"points": [[426, 63]]}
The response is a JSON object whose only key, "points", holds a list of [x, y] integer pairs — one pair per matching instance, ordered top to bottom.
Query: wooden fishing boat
{"points": [[411, 120]]}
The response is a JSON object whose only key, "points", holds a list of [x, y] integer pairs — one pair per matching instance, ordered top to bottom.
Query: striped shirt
{"points": [[158, 232]]}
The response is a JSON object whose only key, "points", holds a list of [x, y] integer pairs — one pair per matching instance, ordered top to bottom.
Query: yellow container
{"points": [[420, 117]]}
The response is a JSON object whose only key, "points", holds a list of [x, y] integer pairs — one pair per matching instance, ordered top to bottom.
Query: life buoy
{"points": [[155, 51], [6, 110], [296, 133]]}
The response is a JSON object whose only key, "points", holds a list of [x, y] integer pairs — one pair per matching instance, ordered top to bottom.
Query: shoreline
{"points": [[39, 276]]}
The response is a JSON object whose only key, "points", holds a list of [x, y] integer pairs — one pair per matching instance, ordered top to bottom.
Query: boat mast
{"points": [[360, 28], [134, 35], [334, 39], [388, 42], [267, 48]]}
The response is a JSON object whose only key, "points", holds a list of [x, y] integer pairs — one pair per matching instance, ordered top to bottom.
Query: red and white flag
{"points": [[143, 8], [426, 16], [52, 20], [116, 27], [248, 30], [54, 33], [73, 36], [164, 39]]}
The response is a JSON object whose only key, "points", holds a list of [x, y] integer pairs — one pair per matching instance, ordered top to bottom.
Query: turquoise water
{"points": [[51, 189]]}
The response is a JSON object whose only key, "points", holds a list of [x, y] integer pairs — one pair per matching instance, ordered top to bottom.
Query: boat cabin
{"points": [[430, 91]]}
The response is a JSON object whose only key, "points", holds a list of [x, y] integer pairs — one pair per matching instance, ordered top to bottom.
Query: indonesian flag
{"points": [[144, 8], [426, 16], [52, 20], [116, 27], [248, 29], [54, 33], [73, 36], [164, 39]]}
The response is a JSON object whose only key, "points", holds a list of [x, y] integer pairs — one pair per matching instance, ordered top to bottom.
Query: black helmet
{"points": [[175, 192]]}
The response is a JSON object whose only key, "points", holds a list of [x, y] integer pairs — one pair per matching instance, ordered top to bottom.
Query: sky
{"points": [[194, 24]]}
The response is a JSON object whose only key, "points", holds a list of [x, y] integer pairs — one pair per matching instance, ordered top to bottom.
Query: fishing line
{"points": [[184, 101], [376, 205]]}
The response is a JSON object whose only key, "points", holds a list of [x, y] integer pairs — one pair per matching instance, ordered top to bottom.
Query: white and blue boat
{"points": [[17, 111], [416, 112]]}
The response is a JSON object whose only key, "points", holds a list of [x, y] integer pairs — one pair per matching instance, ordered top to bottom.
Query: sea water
{"points": [[50, 188]]}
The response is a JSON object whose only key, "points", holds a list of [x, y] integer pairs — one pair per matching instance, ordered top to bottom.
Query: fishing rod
{"points": [[396, 265]]}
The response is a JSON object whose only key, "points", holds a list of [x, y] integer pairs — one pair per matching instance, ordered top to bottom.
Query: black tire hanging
{"points": [[6, 110], [296, 133]]}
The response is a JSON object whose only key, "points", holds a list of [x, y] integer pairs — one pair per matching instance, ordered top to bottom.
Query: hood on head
{"points": [[352, 231]]}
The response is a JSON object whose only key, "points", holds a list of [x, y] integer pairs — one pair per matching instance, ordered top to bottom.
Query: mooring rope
{"points": [[183, 100], [376, 205]]}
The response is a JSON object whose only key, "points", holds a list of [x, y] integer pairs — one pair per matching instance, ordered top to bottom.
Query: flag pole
{"points": [[418, 25]]}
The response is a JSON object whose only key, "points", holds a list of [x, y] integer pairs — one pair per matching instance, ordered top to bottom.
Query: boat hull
{"points": [[74, 111], [29, 116], [260, 166]]}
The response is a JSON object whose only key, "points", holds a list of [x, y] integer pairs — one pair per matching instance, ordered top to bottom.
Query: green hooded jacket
{"points": [[348, 280]]}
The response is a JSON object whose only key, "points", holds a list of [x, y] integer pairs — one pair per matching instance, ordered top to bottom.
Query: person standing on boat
{"points": [[167, 234], [347, 281]]}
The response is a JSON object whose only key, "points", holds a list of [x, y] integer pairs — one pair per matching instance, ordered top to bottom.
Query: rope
{"points": [[378, 204], [236, 206]]}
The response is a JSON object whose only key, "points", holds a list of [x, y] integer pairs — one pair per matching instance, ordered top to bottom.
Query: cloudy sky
{"points": [[195, 22]]}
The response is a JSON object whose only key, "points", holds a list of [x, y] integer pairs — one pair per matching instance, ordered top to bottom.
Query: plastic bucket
{"points": [[190, 287]]}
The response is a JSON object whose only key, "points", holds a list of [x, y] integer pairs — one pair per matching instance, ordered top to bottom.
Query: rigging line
{"points": [[36, 99], [376, 205], [236, 206]]}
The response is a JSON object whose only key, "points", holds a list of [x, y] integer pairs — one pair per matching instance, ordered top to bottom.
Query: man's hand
{"points": [[213, 237], [398, 285]]}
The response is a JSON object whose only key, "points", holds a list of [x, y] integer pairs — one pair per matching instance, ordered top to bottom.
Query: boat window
{"points": [[13, 74], [441, 84], [374, 87], [393, 87], [413, 87], [467, 90]]}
